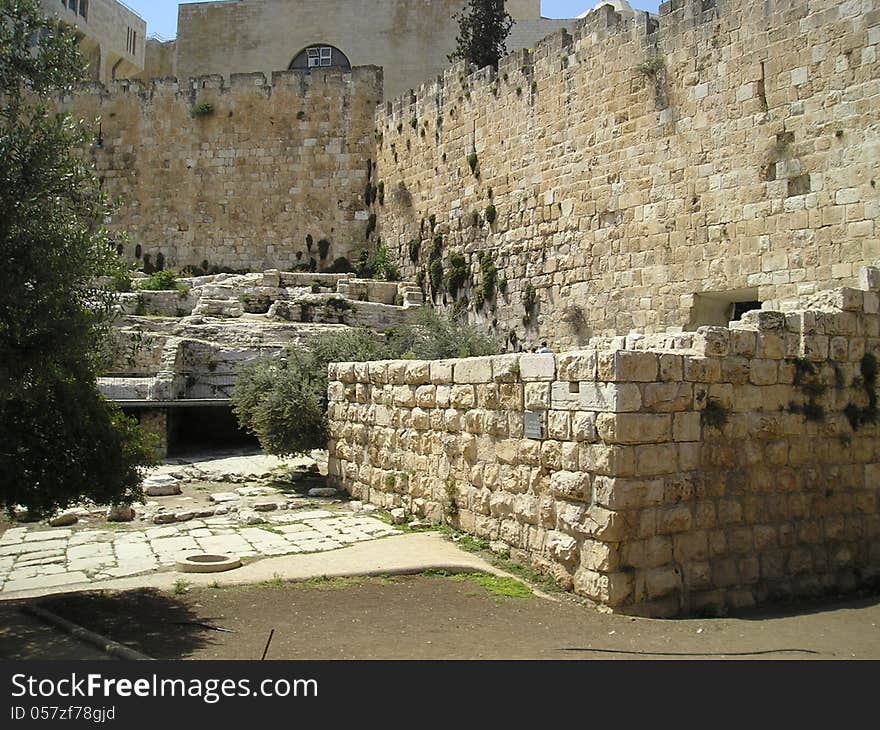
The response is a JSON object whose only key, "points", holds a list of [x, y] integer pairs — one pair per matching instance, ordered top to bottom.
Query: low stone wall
{"points": [[661, 475]]}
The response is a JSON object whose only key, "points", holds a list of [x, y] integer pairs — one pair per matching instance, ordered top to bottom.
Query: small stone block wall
{"points": [[659, 475]]}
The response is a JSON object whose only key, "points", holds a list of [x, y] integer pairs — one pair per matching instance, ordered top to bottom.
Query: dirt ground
{"points": [[446, 617]]}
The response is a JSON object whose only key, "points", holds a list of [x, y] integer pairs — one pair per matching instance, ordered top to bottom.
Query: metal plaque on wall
{"points": [[534, 425]]}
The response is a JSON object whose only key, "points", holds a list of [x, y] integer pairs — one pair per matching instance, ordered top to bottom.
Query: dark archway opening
{"points": [[199, 430]]}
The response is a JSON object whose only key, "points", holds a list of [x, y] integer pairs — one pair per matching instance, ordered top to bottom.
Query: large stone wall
{"points": [[410, 39], [243, 175], [646, 176], [672, 473]]}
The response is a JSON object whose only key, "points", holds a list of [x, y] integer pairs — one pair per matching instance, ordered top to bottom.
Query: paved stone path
{"points": [[36, 557]]}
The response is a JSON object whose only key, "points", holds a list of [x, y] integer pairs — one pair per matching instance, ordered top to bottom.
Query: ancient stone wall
{"points": [[243, 175], [636, 175], [657, 474]]}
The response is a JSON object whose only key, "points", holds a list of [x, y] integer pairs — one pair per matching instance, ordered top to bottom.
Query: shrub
{"points": [[203, 109], [474, 163], [491, 214], [414, 247], [323, 248], [340, 265], [458, 273], [161, 281], [283, 400]]}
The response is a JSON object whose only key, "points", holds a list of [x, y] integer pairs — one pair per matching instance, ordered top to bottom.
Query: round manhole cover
{"points": [[197, 563]]}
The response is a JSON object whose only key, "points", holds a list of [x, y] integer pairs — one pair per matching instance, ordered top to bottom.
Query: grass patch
{"points": [[496, 585], [181, 586]]}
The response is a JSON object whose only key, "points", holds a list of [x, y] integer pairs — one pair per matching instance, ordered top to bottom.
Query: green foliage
{"points": [[483, 29], [651, 67], [203, 109], [474, 163], [380, 193], [491, 214], [371, 224], [323, 248], [414, 248], [340, 265], [377, 265], [458, 274], [488, 276], [161, 281], [530, 304], [434, 337], [283, 401], [714, 414], [868, 414], [60, 442]]}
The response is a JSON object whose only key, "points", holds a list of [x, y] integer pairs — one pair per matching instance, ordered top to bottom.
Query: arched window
{"points": [[320, 56]]}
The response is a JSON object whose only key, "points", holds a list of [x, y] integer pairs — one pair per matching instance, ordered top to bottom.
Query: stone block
{"points": [[869, 278], [577, 366], [628, 366], [537, 367], [505, 369], [473, 370], [441, 372], [417, 373], [537, 396], [612, 397], [667, 397], [583, 426], [686, 427], [634, 428], [571, 485], [618, 493], [562, 548], [600, 556], [612, 589]]}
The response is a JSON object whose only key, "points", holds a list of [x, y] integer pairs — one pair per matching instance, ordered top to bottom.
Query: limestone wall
{"points": [[633, 167], [243, 175], [669, 473]]}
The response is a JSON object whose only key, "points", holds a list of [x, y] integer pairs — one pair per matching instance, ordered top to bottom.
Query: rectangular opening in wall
{"points": [[718, 309]]}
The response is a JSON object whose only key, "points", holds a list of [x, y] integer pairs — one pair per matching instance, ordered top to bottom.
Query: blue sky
{"points": [[161, 15]]}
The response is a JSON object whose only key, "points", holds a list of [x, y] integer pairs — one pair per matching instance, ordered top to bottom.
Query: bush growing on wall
{"points": [[283, 400]]}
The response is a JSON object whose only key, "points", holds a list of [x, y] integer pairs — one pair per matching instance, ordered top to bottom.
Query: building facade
{"points": [[111, 36], [409, 39]]}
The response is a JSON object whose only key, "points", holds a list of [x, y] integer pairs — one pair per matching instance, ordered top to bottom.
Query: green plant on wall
{"points": [[203, 109], [474, 164], [491, 214], [414, 247], [458, 273], [530, 304], [866, 414]]}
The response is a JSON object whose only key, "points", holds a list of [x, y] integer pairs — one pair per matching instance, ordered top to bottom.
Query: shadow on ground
{"points": [[153, 622]]}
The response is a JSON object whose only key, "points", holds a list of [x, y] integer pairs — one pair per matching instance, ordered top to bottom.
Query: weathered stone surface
{"points": [[323, 492], [120, 513]]}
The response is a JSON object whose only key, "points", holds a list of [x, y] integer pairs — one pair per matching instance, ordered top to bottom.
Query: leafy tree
{"points": [[483, 29], [283, 400], [60, 442]]}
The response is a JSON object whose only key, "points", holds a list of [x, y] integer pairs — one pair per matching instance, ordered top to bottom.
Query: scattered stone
{"points": [[161, 485], [322, 492], [221, 497], [265, 506], [355, 506], [369, 509], [222, 510], [120, 513], [21, 514], [184, 516], [398, 516], [249, 517], [65, 519], [163, 519], [419, 525]]}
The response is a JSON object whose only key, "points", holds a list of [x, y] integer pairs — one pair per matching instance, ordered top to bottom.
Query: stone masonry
{"points": [[645, 173], [241, 174], [659, 474]]}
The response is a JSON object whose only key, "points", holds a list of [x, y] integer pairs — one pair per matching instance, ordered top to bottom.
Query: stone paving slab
{"points": [[35, 557]]}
